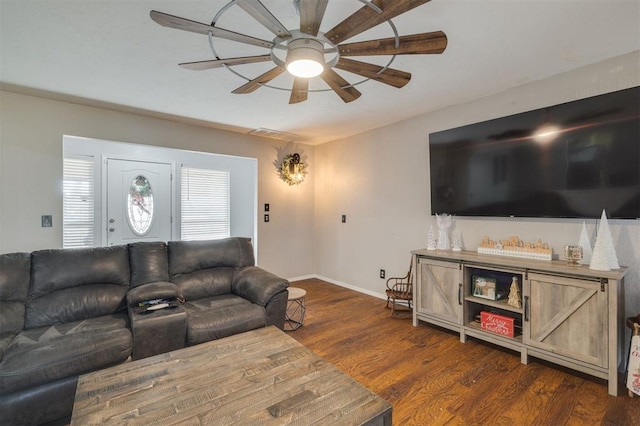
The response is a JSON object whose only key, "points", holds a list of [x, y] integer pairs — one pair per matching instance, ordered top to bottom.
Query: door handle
{"points": [[111, 220], [112, 229], [460, 294], [526, 308]]}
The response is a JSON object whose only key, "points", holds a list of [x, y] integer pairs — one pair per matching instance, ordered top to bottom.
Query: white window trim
{"points": [[244, 179]]}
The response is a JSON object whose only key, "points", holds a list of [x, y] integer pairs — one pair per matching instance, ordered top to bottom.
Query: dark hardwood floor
{"points": [[431, 378]]}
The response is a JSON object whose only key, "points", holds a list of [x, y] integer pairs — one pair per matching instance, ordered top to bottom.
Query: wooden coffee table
{"points": [[259, 377]]}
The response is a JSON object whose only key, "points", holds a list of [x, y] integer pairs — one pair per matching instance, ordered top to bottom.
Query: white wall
{"points": [[31, 132], [380, 179]]}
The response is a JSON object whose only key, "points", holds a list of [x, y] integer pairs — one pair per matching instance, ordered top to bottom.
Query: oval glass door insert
{"points": [[140, 205]]}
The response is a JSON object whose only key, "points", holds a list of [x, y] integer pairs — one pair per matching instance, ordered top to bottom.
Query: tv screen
{"points": [[570, 160]]}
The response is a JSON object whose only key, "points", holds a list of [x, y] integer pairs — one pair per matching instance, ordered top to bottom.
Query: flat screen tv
{"points": [[566, 161]]}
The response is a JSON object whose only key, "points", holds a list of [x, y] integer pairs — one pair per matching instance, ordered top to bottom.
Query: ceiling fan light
{"points": [[305, 58], [305, 68]]}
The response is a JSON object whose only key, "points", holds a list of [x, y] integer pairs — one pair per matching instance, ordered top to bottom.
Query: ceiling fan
{"points": [[307, 52]]}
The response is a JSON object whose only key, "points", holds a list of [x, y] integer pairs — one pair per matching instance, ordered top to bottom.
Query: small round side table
{"points": [[294, 318]]}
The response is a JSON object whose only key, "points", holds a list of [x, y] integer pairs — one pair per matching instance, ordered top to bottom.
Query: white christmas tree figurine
{"points": [[444, 223], [431, 239], [457, 241], [585, 243], [604, 256]]}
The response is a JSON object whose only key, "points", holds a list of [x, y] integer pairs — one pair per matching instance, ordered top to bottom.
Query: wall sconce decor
{"points": [[293, 170]]}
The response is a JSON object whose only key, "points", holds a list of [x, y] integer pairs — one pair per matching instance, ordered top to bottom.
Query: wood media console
{"points": [[570, 315]]}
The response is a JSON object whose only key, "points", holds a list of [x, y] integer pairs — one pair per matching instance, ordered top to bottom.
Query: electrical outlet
{"points": [[266, 207], [266, 218], [344, 218], [47, 221], [382, 273]]}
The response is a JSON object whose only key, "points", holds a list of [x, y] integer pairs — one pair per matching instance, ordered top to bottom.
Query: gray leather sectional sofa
{"points": [[64, 313]]}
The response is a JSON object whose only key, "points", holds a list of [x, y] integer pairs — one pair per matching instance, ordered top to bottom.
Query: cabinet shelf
{"points": [[500, 304], [478, 328]]}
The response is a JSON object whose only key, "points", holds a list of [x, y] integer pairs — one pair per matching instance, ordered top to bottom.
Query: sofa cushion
{"points": [[189, 256], [149, 263], [15, 271], [204, 283], [76, 284], [75, 304], [221, 316], [11, 317], [5, 341], [42, 355], [49, 403]]}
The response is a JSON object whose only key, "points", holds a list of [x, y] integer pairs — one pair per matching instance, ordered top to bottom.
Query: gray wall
{"points": [[31, 131], [379, 179], [384, 188]]}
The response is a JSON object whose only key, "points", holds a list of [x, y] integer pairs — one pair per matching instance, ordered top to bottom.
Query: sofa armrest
{"points": [[257, 285], [152, 291], [156, 331]]}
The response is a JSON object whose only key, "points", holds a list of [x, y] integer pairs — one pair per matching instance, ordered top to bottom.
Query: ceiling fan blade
{"points": [[311, 14], [262, 15], [366, 18], [178, 23], [424, 43], [218, 63], [390, 76], [259, 81], [338, 84], [299, 91]]}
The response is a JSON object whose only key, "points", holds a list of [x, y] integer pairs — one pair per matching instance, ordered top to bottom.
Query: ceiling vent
{"points": [[274, 134]]}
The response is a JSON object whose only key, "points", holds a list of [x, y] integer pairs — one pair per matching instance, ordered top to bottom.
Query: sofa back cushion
{"points": [[148, 262], [205, 268], [15, 270], [204, 283], [76, 284]]}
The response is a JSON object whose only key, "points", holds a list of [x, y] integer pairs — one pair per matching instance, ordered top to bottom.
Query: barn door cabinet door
{"points": [[439, 293], [567, 317]]}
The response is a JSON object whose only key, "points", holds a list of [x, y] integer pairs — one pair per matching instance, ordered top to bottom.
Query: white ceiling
{"points": [[112, 52]]}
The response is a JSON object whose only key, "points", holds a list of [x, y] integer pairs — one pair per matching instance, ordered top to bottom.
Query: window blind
{"points": [[77, 202], [205, 204]]}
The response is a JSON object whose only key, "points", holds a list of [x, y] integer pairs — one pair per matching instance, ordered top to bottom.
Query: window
{"points": [[78, 202], [205, 204], [140, 206]]}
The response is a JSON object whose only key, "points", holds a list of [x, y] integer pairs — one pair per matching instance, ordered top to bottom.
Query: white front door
{"points": [[138, 201]]}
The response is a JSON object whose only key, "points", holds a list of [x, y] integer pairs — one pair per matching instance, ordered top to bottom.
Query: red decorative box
{"points": [[498, 324]]}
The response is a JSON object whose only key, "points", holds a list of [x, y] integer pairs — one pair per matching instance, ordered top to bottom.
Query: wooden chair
{"points": [[400, 293]]}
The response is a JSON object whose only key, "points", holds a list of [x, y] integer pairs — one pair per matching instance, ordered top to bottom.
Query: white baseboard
{"points": [[302, 277], [341, 284]]}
